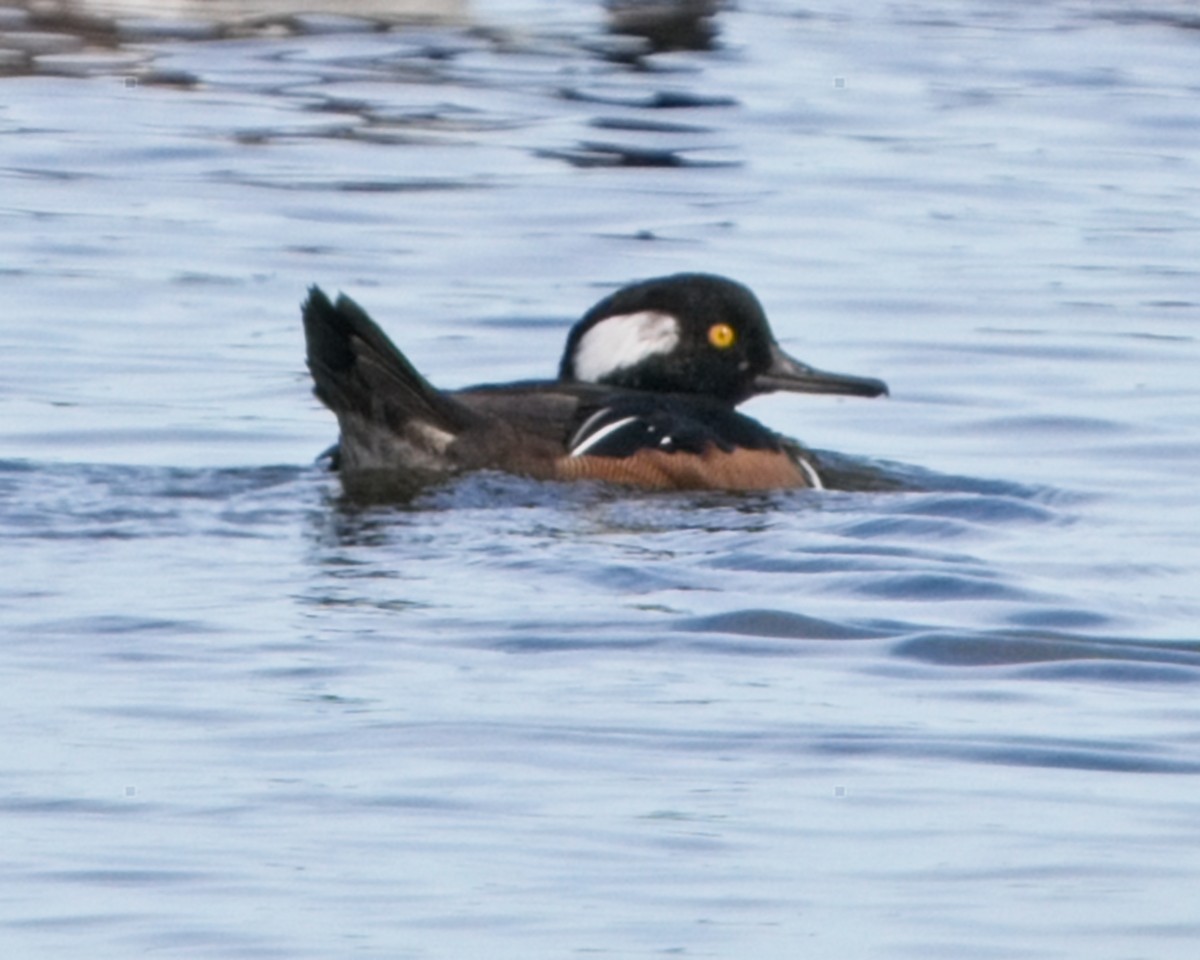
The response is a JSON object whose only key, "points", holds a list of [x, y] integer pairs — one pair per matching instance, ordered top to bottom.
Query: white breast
{"points": [[616, 343]]}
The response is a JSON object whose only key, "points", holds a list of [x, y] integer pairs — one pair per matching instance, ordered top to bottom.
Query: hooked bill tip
{"points": [[786, 373]]}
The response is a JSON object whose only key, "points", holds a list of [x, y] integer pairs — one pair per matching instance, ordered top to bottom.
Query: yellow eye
{"points": [[721, 335]]}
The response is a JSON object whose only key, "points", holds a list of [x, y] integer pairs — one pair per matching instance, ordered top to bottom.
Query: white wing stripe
{"points": [[599, 435], [813, 477]]}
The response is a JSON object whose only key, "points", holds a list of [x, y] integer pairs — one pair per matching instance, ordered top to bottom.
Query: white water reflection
{"points": [[233, 11]]}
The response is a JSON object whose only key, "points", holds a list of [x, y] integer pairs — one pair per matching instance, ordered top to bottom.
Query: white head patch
{"points": [[625, 340]]}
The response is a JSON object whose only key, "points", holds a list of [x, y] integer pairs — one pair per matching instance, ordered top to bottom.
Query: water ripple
{"points": [[776, 623], [1011, 648]]}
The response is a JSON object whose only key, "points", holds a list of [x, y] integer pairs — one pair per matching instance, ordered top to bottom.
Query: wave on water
{"points": [[98, 501]]}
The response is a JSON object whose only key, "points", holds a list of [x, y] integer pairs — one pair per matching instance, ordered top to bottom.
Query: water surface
{"points": [[246, 717]]}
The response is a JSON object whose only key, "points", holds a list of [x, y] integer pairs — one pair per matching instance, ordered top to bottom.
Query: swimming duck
{"points": [[646, 396]]}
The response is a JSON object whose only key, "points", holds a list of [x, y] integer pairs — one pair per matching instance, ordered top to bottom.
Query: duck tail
{"points": [[380, 399]]}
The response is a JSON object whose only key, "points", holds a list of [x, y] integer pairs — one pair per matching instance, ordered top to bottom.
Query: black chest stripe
{"points": [[633, 424]]}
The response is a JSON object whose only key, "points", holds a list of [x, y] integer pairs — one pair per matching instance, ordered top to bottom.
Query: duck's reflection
{"points": [[666, 24]]}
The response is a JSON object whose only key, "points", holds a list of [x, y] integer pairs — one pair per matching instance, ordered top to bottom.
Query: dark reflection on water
{"points": [[666, 24], [86, 37], [778, 624], [1055, 646], [1114, 757]]}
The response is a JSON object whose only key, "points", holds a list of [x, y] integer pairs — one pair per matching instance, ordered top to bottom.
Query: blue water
{"points": [[245, 717]]}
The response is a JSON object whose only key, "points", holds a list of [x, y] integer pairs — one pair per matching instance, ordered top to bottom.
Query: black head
{"points": [[692, 333]]}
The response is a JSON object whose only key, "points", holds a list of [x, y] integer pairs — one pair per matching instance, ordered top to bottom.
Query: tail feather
{"points": [[360, 375]]}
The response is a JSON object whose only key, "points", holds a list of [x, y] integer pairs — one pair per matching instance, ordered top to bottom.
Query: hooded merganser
{"points": [[645, 396]]}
